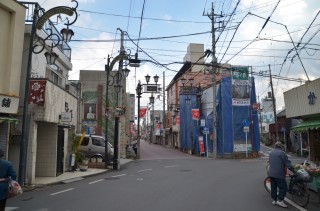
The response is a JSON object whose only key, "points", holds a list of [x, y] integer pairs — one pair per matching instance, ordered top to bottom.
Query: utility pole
{"points": [[213, 72], [274, 106], [164, 111]]}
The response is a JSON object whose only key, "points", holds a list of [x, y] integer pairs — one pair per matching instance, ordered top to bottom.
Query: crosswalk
{"points": [[265, 154]]}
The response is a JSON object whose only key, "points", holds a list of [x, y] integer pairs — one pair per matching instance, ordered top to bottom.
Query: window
{"points": [[54, 74], [85, 141], [98, 142]]}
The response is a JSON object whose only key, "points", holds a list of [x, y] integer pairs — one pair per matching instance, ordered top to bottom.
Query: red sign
{"points": [[37, 92], [256, 106], [142, 112], [195, 114], [178, 120], [201, 144]]}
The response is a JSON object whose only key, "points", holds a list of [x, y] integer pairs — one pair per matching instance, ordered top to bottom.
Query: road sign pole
{"points": [[207, 145], [246, 145]]}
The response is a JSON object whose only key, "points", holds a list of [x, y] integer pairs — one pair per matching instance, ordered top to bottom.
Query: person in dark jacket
{"points": [[279, 162], [6, 171]]}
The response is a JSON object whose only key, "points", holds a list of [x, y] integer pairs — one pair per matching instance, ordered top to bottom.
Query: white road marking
{"points": [[171, 166], [145, 170], [120, 175], [140, 179], [95, 181], [52, 194], [294, 204], [11, 208]]}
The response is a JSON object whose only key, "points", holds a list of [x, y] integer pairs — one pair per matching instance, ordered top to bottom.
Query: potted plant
{"points": [[82, 161]]}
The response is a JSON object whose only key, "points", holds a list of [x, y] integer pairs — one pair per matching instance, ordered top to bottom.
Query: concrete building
{"points": [[12, 16], [93, 107]]}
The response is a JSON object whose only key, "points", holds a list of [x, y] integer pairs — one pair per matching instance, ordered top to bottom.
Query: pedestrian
{"points": [[279, 163], [6, 171]]}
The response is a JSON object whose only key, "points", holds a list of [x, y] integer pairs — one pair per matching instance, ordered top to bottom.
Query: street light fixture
{"points": [[54, 39], [147, 78], [139, 92]]}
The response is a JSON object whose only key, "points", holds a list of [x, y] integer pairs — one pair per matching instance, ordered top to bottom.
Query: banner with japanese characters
{"points": [[240, 86], [37, 92], [195, 114]]}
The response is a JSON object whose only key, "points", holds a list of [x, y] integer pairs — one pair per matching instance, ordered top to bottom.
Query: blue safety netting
{"points": [[229, 122]]}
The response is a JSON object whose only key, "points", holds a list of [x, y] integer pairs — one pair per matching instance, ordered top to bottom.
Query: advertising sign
{"points": [[240, 86], [142, 112]]}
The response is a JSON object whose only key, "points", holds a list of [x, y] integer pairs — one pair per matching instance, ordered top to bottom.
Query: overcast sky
{"points": [[243, 40]]}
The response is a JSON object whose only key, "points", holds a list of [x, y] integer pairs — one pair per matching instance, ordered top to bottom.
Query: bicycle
{"points": [[297, 188]]}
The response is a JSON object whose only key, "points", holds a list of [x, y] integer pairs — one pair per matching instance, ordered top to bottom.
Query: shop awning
{"points": [[8, 119], [306, 125]]}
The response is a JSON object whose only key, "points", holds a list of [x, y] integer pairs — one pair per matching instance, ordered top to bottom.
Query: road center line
{"points": [[171, 166], [145, 170], [120, 175], [95, 181], [52, 194]]}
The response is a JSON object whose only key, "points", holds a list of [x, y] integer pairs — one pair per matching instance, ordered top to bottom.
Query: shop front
{"points": [[303, 103]]}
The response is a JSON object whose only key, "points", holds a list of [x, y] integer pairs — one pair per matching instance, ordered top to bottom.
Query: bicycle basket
{"points": [[303, 175]]}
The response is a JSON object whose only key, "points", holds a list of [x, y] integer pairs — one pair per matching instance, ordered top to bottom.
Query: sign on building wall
{"points": [[240, 86], [37, 92], [9, 104], [195, 114]]}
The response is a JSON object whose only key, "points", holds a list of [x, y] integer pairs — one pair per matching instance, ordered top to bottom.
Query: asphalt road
{"points": [[164, 179]]}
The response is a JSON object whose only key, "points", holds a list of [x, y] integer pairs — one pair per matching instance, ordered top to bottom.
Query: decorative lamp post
{"points": [[52, 40], [139, 92]]}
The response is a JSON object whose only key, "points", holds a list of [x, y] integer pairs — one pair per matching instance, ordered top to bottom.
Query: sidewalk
{"points": [[69, 176]]}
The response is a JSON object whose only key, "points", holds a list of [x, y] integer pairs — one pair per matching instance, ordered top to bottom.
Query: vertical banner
{"points": [[240, 86], [37, 92], [132, 107], [142, 111], [195, 114], [177, 120], [158, 127], [201, 145]]}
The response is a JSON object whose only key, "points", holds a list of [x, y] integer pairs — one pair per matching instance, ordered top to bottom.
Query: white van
{"points": [[94, 147]]}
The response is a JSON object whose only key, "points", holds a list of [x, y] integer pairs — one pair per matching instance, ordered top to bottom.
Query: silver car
{"points": [[94, 147]]}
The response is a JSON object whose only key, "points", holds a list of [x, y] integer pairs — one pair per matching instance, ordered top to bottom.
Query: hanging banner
{"points": [[240, 86], [37, 92], [142, 112], [195, 114], [178, 120], [201, 145]]}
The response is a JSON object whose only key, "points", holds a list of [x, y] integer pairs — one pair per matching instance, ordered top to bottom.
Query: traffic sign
{"points": [[246, 122], [246, 129], [205, 130]]}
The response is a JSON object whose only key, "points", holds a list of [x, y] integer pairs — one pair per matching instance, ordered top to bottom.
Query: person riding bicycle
{"points": [[279, 162]]}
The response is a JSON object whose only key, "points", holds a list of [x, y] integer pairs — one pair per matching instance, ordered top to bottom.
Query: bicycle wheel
{"points": [[267, 184], [300, 194]]}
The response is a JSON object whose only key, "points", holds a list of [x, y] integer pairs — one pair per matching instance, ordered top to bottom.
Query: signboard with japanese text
{"points": [[240, 86], [37, 92], [9, 104], [66, 117]]}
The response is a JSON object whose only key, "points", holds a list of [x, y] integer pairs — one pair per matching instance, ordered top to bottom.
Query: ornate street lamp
{"points": [[52, 40], [147, 78], [139, 92]]}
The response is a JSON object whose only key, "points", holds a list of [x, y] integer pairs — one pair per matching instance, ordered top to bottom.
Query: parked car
{"points": [[94, 147]]}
